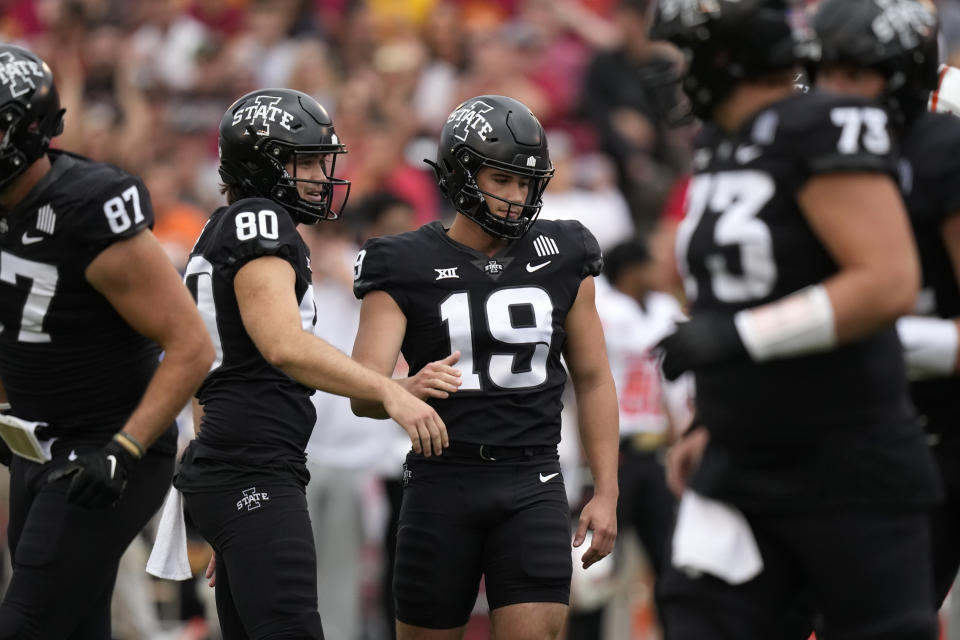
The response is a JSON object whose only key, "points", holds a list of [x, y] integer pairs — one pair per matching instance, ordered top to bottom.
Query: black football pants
{"points": [[646, 504], [945, 518], [65, 557], [266, 560], [867, 572]]}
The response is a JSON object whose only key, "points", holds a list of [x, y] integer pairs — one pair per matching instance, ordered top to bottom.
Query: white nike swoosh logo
{"points": [[746, 154], [28, 239], [536, 267], [72, 456], [113, 464], [547, 478]]}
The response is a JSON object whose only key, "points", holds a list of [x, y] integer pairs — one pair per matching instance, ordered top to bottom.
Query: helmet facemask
{"points": [[23, 142], [286, 188]]}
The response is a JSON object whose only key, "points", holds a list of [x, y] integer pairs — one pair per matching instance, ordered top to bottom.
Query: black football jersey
{"points": [[929, 171], [505, 314], [66, 356], [255, 415], [783, 428]]}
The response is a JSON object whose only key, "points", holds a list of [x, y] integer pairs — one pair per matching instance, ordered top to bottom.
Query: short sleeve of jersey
{"points": [[836, 134], [117, 207], [253, 228], [592, 256], [375, 267]]}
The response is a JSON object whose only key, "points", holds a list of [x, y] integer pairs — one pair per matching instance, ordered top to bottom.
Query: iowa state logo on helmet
{"points": [[18, 73], [264, 112], [470, 117]]}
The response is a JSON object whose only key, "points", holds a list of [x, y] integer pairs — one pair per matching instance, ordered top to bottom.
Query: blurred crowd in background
{"points": [[145, 83]]}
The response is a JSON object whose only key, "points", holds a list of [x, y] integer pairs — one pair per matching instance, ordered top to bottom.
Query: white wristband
{"points": [[797, 324], [929, 346]]}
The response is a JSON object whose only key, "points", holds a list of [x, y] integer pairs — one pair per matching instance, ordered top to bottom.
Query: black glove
{"points": [[705, 341], [99, 477]]}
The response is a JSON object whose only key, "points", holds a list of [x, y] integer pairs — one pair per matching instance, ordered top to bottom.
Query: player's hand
{"points": [[706, 340], [437, 379], [428, 434], [684, 456], [97, 478], [600, 516], [211, 572]]}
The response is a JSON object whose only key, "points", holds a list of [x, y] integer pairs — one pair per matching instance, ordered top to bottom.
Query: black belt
{"points": [[494, 453]]}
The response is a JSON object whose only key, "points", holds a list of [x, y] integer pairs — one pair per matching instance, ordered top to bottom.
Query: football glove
{"points": [[705, 341], [97, 478]]}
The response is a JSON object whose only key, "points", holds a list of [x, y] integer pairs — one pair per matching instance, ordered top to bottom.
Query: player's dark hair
{"points": [[233, 192]]}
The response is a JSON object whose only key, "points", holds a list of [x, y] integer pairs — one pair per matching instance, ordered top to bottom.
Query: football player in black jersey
{"points": [[899, 72], [502, 296], [87, 301], [813, 476], [243, 478]]}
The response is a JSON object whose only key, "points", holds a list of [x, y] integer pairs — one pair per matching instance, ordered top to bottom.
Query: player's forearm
{"points": [[866, 300], [316, 364], [176, 379], [371, 409], [599, 425]]}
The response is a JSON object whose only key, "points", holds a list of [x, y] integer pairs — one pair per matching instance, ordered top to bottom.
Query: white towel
{"points": [[20, 435], [715, 538], [168, 559]]}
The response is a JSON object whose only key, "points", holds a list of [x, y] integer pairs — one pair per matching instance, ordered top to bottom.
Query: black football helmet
{"points": [[898, 38], [728, 41], [30, 112], [264, 129], [499, 132]]}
